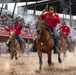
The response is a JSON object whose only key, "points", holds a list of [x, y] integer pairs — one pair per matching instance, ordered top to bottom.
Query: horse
{"points": [[44, 43], [63, 44], [14, 45]]}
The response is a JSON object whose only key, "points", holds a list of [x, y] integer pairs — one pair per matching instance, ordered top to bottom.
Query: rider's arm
{"points": [[42, 14], [57, 18], [20, 26], [7, 29], [68, 30]]}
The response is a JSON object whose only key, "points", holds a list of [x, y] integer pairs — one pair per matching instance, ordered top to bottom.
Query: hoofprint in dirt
{"points": [[27, 65]]}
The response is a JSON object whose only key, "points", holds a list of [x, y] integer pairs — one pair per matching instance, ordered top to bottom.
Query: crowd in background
{"points": [[6, 19]]}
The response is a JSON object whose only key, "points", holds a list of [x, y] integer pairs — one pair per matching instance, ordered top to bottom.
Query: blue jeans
{"points": [[55, 36], [21, 40], [69, 40]]}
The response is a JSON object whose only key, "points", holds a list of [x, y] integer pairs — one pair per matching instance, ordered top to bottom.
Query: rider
{"points": [[51, 19], [17, 28], [66, 31]]}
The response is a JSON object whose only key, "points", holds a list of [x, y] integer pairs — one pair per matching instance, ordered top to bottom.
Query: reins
{"points": [[45, 42]]}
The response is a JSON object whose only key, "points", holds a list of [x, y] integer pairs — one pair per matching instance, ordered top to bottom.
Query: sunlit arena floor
{"points": [[27, 65]]}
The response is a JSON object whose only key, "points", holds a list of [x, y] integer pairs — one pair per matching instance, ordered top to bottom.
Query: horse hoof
{"points": [[11, 58], [16, 58], [60, 61], [52, 64], [38, 71]]}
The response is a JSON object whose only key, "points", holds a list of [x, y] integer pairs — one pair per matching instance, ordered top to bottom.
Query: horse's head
{"points": [[39, 26], [39, 29], [12, 35]]}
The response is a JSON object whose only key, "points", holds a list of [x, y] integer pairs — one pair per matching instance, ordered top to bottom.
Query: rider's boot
{"points": [[22, 48], [70, 48], [56, 50]]}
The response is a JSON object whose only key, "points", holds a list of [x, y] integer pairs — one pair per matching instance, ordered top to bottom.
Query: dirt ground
{"points": [[27, 65]]}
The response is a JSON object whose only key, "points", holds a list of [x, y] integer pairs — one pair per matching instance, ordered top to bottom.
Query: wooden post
{"points": [[14, 8]]}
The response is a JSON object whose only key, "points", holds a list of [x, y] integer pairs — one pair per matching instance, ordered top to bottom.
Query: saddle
{"points": [[50, 31], [67, 39], [18, 40]]}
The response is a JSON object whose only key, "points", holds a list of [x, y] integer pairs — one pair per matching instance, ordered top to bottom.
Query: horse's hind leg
{"points": [[64, 55], [16, 56], [59, 58]]}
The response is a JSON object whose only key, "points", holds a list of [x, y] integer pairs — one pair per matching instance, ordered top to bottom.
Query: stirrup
{"points": [[59, 48], [70, 49], [22, 51], [56, 51]]}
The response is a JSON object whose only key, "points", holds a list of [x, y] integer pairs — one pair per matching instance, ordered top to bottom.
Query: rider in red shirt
{"points": [[51, 19], [17, 28], [66, 31]]}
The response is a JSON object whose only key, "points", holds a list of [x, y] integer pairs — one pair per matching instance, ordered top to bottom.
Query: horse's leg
{"points": [[74, 52], [19, 54], [11, 55], [64, 55], [16, 56], [49, 58], [59, 58], [40, 59]]}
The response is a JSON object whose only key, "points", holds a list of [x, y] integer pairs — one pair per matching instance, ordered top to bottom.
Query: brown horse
{"points": [[44, 43], [63, 44], [14, 45]]}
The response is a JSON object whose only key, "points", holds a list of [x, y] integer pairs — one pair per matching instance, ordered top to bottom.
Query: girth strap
{"points": [[44, 43]]}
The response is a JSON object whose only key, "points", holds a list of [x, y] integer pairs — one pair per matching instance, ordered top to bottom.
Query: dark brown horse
{"points": [[44, 43], [63, 43], [14, 45]]}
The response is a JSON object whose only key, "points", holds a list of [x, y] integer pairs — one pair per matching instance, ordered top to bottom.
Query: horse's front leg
{"points": [[16, 56], [49, 58], [59, 58], [40, 60]]}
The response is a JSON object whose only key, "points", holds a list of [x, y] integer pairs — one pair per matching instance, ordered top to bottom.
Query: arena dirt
{"points": [[28, 65]]}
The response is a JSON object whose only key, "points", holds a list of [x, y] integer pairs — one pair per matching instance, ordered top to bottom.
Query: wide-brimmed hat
{"points": [[51, 8], [16, 22], [63, 23]]}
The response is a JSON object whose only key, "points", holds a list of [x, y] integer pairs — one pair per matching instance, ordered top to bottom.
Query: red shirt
{"points": [[50, 20], [17, 28], [65, 30]]}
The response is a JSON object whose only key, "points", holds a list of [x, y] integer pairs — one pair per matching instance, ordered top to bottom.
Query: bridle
{"points": [[40, 31]]}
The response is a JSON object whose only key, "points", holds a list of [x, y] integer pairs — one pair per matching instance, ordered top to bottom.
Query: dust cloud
{"points": [[26, 65]]}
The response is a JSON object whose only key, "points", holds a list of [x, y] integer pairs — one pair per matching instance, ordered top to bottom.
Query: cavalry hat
{"points": [[51, 8], [16, 22], [63, 23]]}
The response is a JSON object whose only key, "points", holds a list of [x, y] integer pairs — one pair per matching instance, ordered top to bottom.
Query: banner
{"points": [[23, 34]]}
